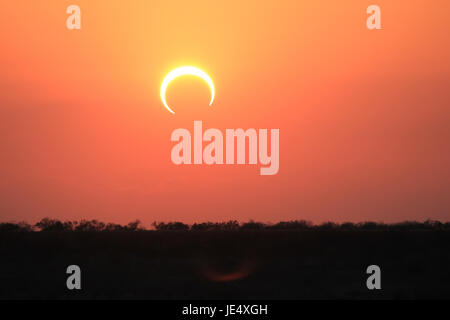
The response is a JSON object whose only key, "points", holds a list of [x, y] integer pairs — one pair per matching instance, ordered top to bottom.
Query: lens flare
{"points": [[241, 270]]}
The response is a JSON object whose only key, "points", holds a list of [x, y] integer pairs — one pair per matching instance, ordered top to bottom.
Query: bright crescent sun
{"points": [[183, 71]]}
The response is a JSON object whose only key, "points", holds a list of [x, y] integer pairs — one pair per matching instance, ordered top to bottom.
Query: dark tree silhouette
{"points": [[53, 225], [252, 225], [171, 226], [12, 227]]}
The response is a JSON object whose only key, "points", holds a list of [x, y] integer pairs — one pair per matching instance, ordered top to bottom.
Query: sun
{"points": [[184, 71]]}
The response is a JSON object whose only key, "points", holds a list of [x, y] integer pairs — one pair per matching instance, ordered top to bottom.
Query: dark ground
{"points": [[264, 264]]}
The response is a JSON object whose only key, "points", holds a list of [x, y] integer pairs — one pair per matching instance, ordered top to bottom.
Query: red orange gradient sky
{"points": [[363, 115]]}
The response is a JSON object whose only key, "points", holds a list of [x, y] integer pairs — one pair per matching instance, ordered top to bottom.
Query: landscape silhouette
{"points": [[224, 260]]}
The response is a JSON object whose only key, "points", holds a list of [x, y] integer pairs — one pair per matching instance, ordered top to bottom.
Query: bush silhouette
{"points": [[171, 226], [13, 227]]}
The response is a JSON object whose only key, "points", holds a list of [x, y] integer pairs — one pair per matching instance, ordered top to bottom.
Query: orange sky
{"points": [[363, 115]]}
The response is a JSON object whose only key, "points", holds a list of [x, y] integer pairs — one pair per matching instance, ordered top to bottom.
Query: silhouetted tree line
{"points": [[53, 225]]}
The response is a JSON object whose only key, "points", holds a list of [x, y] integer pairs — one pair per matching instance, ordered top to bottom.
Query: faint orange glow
{"points": [[241, 271]]}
